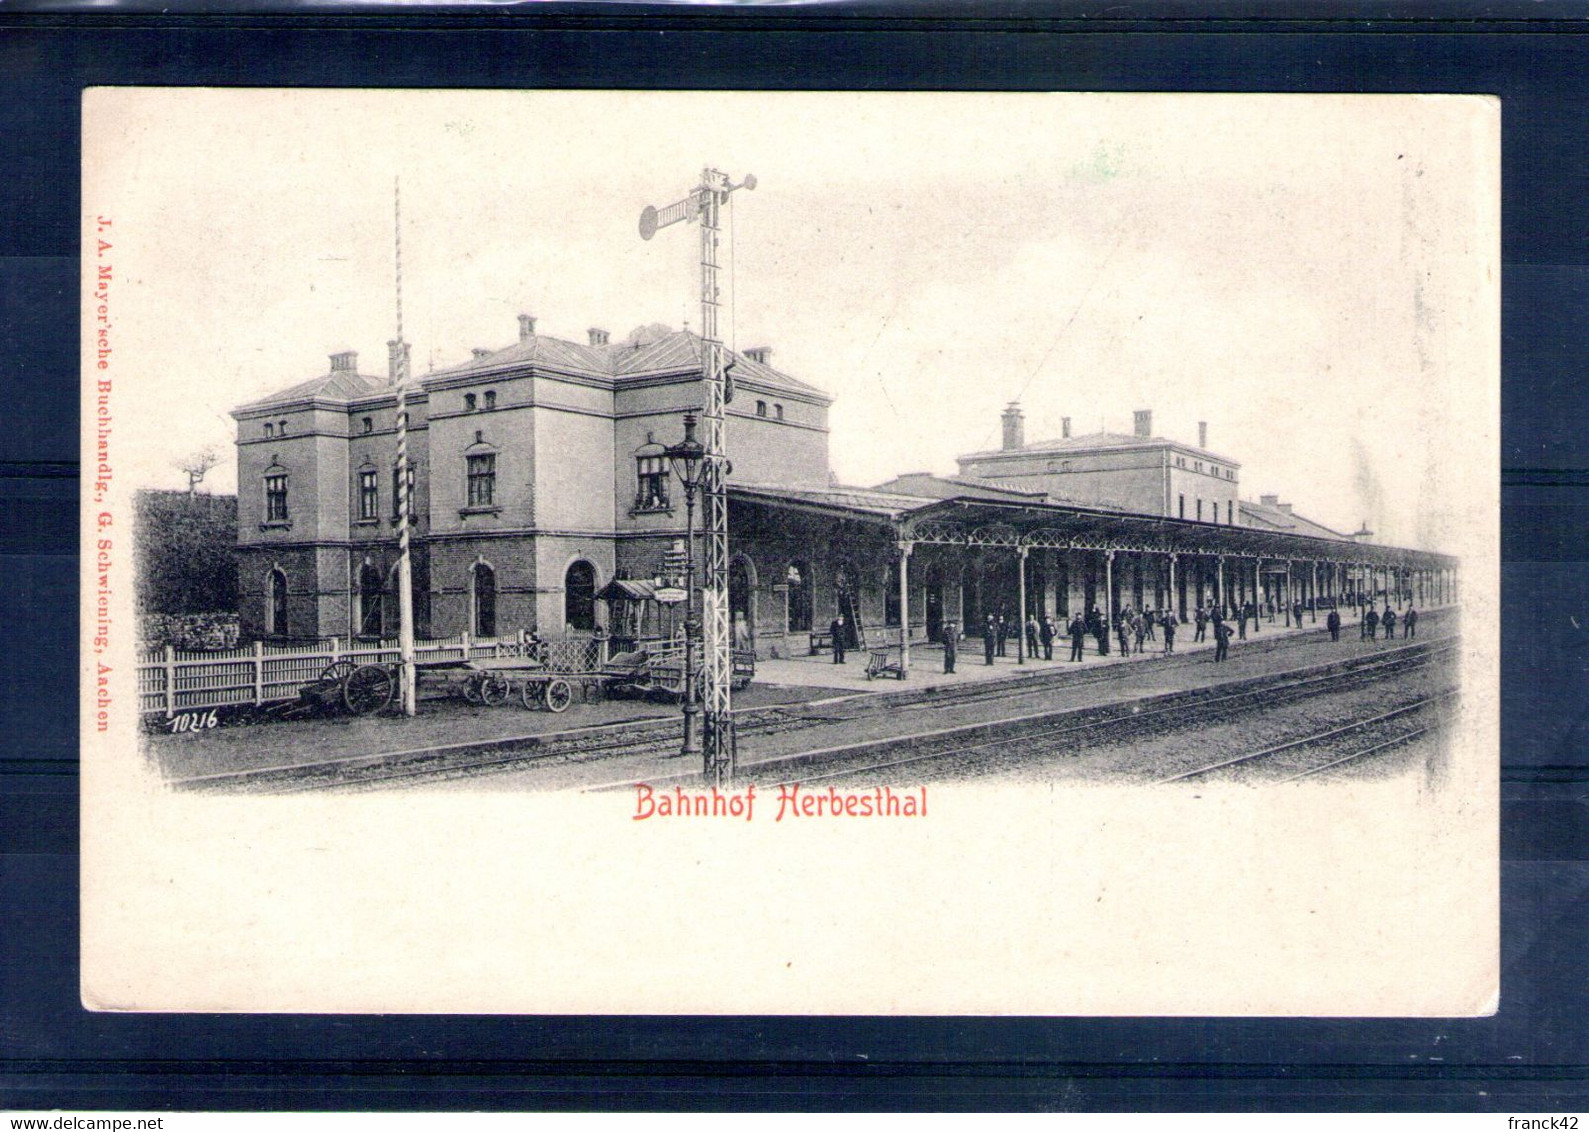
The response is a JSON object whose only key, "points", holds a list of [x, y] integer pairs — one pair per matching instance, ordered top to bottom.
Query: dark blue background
{"points": [[1531, 1057]]}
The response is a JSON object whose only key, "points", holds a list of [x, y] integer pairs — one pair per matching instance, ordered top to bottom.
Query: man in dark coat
{"points": [[1200, 618], [1389, 621], [1241, 622], [1168, 623], [1371, 623], [1409, 623], [1333, 624], [836, 630], [1123, 631], [1003, 633], [950, 635], [1031, 635], [1045, 636], [1078, 636], [990, 638], [1221, 641]]}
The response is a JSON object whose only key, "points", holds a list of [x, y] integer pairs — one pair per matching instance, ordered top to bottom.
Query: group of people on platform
{"points": [[1133, 628]]}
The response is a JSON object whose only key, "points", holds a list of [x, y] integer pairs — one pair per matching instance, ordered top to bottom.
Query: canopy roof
{"points": [[983, 522]]}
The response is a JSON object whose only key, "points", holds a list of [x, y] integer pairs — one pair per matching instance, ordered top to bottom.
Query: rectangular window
{"points": [[761, 408], [778, 411], [482, 479], [651, 490], [369, 496], [275, 499], [396, 503], [1183, 507], [1199, 510], [1230, 513]]}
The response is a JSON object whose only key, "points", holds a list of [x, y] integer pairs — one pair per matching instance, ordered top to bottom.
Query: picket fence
{"points": [[170, 681]]}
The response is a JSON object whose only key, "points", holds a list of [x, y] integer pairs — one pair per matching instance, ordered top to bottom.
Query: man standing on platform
{"points": [[1201, 619], [1389, 621], [1169, 623], [1409, 623], [1333, 624], [1371, 624], [836, 631], [950, 633], [1031, 635], [1045, 636], [1078, 637], [990, 638], [1221, 641]]}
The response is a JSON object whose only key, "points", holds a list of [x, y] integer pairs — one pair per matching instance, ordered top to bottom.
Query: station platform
{"points": [[788, 684]]}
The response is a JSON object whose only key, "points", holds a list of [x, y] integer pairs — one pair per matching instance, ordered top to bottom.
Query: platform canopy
{"points": [[971, 521]]}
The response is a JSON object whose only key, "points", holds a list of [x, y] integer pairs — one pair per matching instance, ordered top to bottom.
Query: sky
{"points": [[1314, 276]]}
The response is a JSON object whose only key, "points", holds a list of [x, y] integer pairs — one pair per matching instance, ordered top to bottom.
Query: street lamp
{"points": [[687, 458]]}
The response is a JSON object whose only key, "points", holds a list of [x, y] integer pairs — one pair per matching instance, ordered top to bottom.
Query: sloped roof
{"points": [[647, 350], [337, 385], [1095, 440], [928, 486], [883, 503], [1265, 517]]}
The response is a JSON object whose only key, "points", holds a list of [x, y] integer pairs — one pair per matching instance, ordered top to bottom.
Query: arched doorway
{"points": [[800, 585], [579, 596], [483, 600], [742, 601], [846, 602], [932, 602], [276, 603], [371, 604]]}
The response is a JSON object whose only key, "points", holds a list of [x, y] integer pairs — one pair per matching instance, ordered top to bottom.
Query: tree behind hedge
{"points": [[186, 554]]}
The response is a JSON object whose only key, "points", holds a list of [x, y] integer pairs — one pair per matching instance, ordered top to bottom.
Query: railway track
{"points": [[661, 738], [1022, 740], [1332, 747]]}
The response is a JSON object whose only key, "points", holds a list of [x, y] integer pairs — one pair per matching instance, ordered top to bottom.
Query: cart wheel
{"points": [[338, 670], [471, 688], [368, 689], [493, 690], [530, 695], [558, 695]]}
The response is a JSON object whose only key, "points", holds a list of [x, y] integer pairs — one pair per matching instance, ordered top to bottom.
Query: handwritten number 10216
{"points": [[193, 721]]}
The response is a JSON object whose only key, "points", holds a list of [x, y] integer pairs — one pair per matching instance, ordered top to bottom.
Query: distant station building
{"points": [[542, 500]]}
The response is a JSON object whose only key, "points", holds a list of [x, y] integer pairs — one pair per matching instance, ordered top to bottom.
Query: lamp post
{"points": [[687, 458]]}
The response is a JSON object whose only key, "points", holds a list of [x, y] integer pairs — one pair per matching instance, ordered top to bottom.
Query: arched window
{"points": [[491, 398], [275, 493], [483, 596], [579, 596], [276, 604], [371, 604]]}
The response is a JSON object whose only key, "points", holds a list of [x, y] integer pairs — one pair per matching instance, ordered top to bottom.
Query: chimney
{"points": [[526, 327], [598, 336], [480, 352], [759, 354], [396, 359], [346, 361], [1143, 419], [1014, 427], [1064, 428], [1202, 434], [1269, 500], [1285, 507], [1362, 534]]}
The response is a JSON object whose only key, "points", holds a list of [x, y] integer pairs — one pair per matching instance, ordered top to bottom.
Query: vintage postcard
{"points": [[834, 553]]}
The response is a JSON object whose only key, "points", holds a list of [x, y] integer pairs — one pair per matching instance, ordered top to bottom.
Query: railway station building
{"points": [[542, 500]]}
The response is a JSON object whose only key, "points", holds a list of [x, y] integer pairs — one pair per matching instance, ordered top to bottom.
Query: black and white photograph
{"points": [[617, 552]]}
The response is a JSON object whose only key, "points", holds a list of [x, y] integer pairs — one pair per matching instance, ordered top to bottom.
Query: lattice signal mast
{"points": [[701, 206]]}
